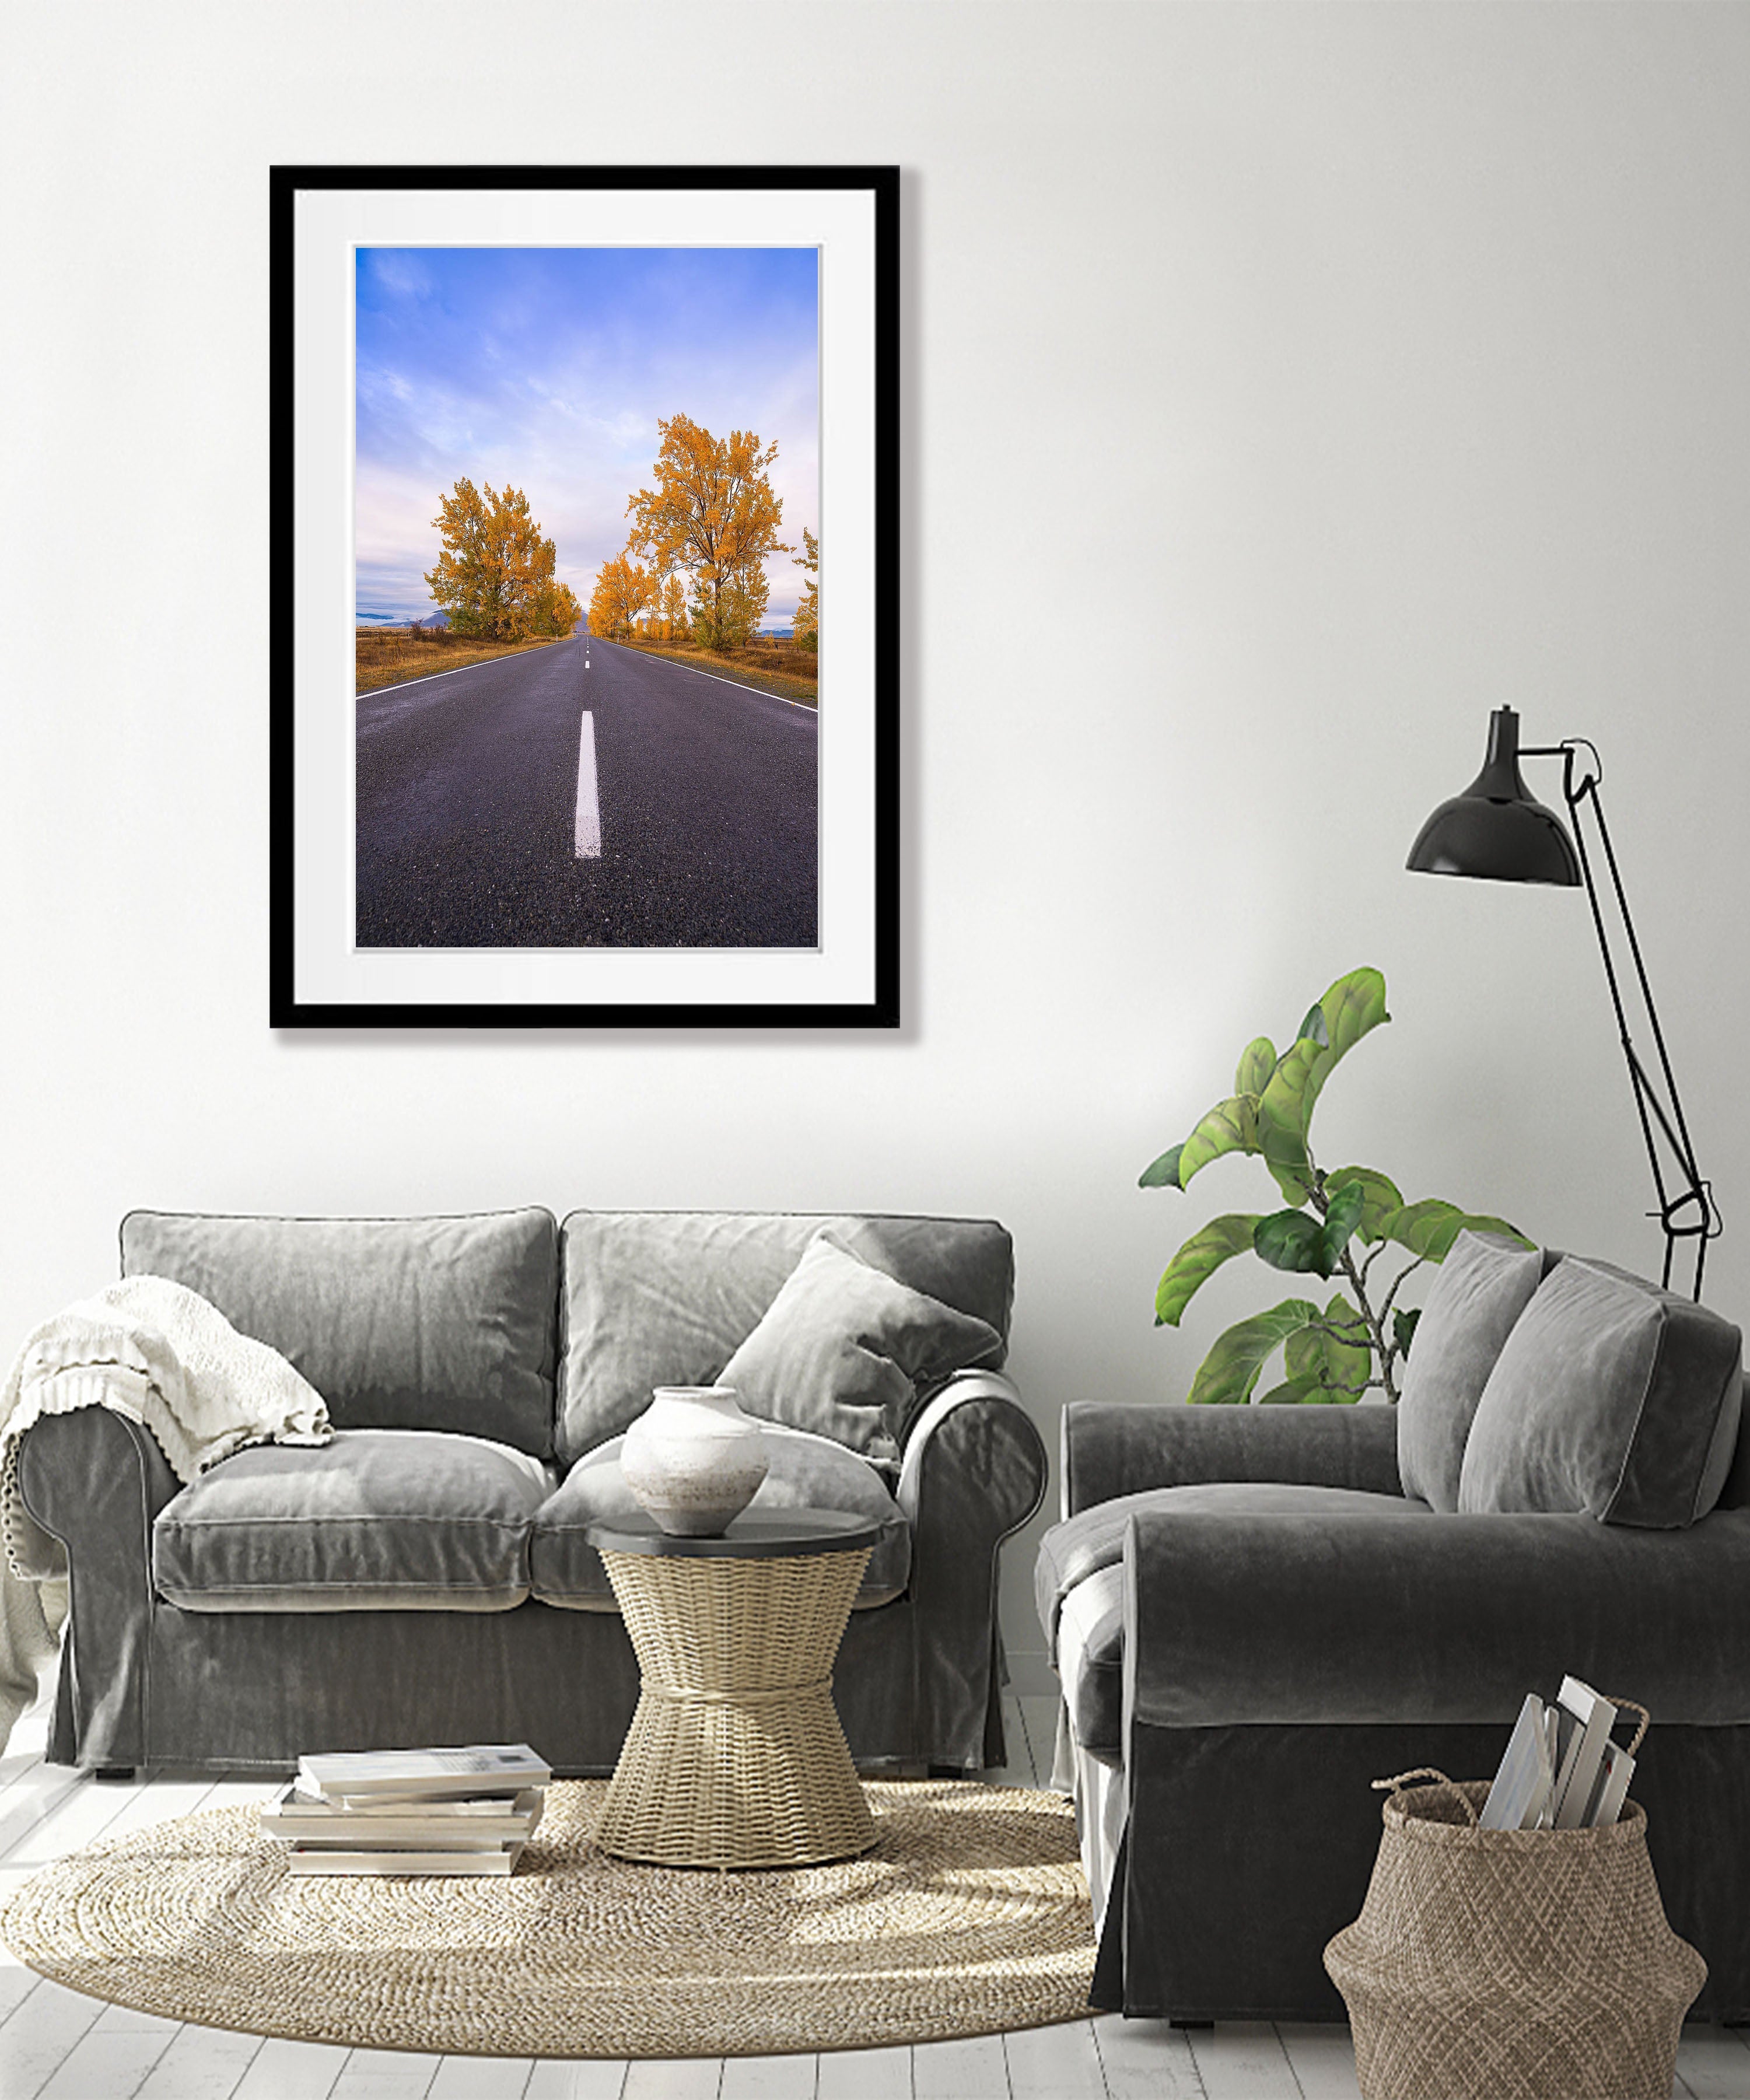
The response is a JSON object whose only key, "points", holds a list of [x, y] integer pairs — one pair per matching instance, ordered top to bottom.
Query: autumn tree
{"points": [[714, 515], [495, 575], [624, 589], [808, 606], [674, 608], [733, 620]]}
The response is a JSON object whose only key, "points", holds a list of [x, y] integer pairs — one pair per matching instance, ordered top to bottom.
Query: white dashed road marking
{"points": [[589, 833]]}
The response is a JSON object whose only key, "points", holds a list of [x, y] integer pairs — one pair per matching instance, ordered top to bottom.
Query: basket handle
{"points": [[1634, 1706], [1394, 1787]]}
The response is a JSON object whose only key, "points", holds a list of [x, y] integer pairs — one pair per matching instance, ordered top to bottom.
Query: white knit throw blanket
{"points": [[164, 1357]]}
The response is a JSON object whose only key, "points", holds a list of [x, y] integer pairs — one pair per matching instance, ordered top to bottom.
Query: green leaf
{"points": [[1354, 1007], [1258, 1060], [1282, 1122], [1230, 1126], [1162, 1173], [1380, 1197], [1341, 1217], [1475, 1222], [1429, 1228], [1291, 1240], [1303, 1244], [1197, 1260], [1403, 1329], [1336, 1355], [1228, 1373], [1292, 1392]]}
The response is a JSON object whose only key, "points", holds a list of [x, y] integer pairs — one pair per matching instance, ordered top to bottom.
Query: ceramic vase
{"points": [[693, 1460]]}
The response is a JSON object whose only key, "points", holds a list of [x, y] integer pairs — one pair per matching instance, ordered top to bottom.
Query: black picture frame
{"points": [[310, 983]]}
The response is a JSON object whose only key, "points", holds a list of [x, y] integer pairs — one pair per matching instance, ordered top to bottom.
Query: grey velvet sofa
{"points": [[425, 1577], [1253, 1619]]}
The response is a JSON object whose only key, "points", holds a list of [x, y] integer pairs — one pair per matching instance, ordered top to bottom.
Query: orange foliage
{"points": [[712, 514], [495, 575], [622, 590], [808, 606]]}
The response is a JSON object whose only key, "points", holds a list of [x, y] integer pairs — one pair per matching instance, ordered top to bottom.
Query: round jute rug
{"points": [[970, 1915]]}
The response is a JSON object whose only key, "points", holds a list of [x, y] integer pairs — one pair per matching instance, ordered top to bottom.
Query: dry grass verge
{"points": [[388, 655], [790, 673]]}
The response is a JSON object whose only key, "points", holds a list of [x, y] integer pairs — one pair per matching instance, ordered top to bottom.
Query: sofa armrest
{"points": [[1110, 1448], [974, 1471], [95, 1480], [1289, 1620]]}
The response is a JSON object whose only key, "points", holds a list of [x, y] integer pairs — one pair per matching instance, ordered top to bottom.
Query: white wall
{"points": [[1285, 388]]}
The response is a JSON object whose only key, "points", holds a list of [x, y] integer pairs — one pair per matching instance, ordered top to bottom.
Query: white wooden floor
{"points": [[55, 2044]]}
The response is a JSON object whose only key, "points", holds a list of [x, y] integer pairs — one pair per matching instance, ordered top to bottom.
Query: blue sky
{"points": [[549, 368]]}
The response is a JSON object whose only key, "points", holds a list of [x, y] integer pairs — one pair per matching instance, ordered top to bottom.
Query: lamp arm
{"points": [[1691, 1213]]}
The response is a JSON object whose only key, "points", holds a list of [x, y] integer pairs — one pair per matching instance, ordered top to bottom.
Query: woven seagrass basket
{"points": [[1517, 1965]]}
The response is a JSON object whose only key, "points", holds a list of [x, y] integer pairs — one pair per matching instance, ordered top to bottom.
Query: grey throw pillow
{"points": [[1485, 1284], [653, 1298], [842, 1348], [1611, 1397]]}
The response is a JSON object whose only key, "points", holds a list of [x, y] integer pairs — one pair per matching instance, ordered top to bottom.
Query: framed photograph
{"points": [[584, 637]]}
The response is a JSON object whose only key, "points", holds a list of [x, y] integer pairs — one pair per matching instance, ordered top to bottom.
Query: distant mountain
{"points": [[377, 615]]}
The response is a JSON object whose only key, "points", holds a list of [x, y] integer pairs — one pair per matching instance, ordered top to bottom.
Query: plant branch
{"points": [[1409, 1270], [1376, 1328]]}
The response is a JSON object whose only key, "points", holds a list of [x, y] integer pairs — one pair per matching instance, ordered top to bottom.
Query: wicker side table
{"points": [[735, 1756]]}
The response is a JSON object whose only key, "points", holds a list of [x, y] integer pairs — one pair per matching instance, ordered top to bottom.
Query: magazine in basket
{"points": [[1561, 1771]]}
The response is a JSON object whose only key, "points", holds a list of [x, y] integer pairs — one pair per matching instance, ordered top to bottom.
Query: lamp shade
{"points": [[1497, 829]]}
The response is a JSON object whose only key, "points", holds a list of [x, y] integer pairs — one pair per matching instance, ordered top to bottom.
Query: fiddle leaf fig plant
{"points": [[1333, 1224]]}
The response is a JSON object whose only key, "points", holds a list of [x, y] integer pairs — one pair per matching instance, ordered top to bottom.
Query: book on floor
{"points": [[473, 1770], [464, 1811], [470, 1824], [324, 1859]]}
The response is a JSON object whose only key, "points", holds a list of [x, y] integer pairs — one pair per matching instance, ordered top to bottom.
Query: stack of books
{"points": [[1561, 1771], [446, 1812]]}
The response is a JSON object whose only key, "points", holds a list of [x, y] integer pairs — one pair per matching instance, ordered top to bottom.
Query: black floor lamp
{"points": [[1498, 830]]}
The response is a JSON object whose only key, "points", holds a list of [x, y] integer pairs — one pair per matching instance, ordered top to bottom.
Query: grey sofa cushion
{"points": [[1483, 1286], [653, 1298], [399, 1323], [843, 1350], [1611, 1397], [806, 1472], [402, 1520], [1070, 1552], [1091, 1663]]}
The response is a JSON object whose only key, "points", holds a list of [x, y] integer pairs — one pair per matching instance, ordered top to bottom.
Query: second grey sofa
{"points": [[423, 1578], [1257, 1612]]}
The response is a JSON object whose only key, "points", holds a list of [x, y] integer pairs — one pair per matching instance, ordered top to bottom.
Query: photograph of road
{"points": [[631, 431], [526, 802]]}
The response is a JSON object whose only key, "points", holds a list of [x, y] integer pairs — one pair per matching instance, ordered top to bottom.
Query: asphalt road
{"points": [[469, 826]]}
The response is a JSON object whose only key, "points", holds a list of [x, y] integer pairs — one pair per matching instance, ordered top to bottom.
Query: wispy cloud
{"points": [[549, 369]]}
